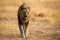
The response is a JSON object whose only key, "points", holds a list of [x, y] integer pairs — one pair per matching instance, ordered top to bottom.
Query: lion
{"points": [[23, 19]]}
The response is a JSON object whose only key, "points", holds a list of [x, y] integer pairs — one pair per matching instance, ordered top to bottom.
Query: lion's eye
{"points": [[22, 8], [25, 10]]}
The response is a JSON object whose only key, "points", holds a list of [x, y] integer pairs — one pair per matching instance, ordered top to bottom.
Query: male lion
{"points": [[23, 19]]}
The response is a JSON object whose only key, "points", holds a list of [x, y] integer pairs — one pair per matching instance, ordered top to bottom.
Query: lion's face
{"points": [[25, 13]]}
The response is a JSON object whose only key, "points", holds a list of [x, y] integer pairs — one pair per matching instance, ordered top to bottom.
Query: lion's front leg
{"points": [[26, 29], [22, 31]]}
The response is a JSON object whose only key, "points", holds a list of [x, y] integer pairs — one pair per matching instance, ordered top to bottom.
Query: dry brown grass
{"points": [[40, 28]]}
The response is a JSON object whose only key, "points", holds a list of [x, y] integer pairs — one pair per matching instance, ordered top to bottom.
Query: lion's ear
{"points": [[28, 8]]}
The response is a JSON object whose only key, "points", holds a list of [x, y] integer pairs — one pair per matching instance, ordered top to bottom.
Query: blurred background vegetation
{"points": [[45, 18]]}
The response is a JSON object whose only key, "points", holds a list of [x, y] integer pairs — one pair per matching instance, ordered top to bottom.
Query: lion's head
{"points": [[24, 12]]}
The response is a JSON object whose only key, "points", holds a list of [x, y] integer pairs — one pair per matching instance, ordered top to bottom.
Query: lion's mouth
{"points": [[24, 19]]}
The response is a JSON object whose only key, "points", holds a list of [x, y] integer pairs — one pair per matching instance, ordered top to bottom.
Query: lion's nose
{"points": [[25, 15]]}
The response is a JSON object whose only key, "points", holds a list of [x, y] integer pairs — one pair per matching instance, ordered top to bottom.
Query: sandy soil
{"points": [[40, 28]]}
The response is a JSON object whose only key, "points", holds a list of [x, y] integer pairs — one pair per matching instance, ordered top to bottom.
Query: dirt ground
{"points": [[46, 27]]}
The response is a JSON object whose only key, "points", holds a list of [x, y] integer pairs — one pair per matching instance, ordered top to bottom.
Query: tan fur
{"points": [[23, 25]]}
